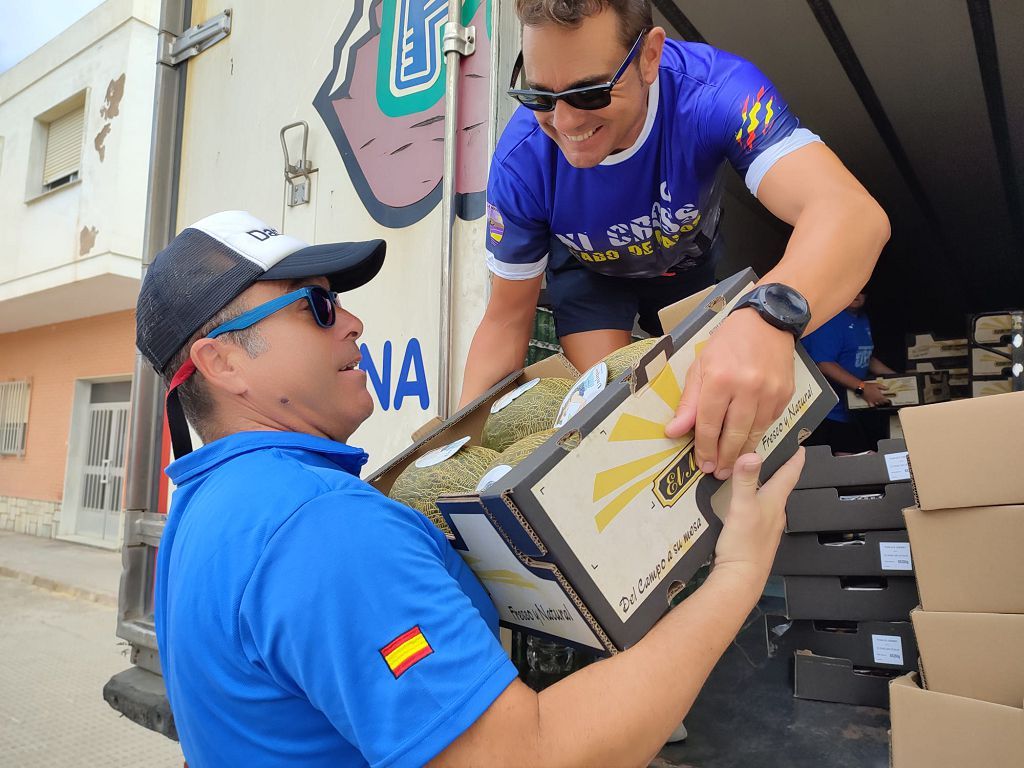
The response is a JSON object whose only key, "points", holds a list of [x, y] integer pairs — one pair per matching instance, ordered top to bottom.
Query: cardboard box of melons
{"points": [[588, 521]]}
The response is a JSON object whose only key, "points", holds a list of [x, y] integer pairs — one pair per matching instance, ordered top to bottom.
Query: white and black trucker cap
{"points": [[211, 262]]}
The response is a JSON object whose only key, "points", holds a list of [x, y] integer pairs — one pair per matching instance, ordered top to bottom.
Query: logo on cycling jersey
{"points": [[751, 119], [495, 224], [645, 235]]}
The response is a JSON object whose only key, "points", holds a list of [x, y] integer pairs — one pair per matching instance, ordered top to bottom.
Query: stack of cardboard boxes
{"points": [[991, 352], [929, 353], [941, 366], [967, 533], [848, 576]]}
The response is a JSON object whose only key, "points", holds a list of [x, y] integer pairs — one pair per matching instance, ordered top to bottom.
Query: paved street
{"points": [[56, 653]]}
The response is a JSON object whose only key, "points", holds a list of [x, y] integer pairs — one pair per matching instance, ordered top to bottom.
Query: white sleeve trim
{"points": [[801, 137], [516, 271]]}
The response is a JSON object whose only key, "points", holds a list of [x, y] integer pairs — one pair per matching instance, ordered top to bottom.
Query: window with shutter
{"points": [[63, 149], [14, 397]]}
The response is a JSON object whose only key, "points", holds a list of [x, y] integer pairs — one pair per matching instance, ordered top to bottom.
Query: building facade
{"points": [[75, 124]]}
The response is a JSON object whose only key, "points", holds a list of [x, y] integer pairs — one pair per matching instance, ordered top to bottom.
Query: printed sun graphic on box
{"points": [[648, 503]]}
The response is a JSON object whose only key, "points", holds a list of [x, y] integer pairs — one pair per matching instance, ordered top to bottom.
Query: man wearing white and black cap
{"points": [[305, 619]]}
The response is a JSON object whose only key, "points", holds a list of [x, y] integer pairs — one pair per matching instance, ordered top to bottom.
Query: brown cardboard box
{"points": [[991, 329], [927, 346], [994, 362], [958, 377], [989, 386], [966, 453], [886, 465], [881, 508], [590, 538], [866, 553], [969, 559], [850, 598], [883, 644], [977, 655], [824, 678], [939, 730]]}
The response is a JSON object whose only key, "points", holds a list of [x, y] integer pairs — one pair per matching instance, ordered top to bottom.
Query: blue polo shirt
{"points": [[844, 340], [305, 619]]}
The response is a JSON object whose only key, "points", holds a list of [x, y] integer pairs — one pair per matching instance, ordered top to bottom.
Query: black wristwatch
{"points": [[779, 306]]}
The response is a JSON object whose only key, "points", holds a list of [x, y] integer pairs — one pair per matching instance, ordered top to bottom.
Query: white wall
{"points": [[42, 233]]}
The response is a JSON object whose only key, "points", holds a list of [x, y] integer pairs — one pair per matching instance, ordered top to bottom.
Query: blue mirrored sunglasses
{"points": [[322, 304]]}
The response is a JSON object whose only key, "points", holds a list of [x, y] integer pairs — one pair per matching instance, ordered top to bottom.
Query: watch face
{"points": [[786, 304]]}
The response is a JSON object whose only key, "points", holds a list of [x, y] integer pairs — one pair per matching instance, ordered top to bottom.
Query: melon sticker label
{"points": [[590, 385], [505, 400], [438, 455], [493, 475]]}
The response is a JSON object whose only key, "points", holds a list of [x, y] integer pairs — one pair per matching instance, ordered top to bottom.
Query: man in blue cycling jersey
{"points": [[608, 181]]}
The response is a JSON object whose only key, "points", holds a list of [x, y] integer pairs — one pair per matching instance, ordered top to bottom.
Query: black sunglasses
{"points": [[588, 97]]}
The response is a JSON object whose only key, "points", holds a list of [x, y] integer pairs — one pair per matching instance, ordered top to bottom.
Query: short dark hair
{"points": [[634, 15], [194, 393]]}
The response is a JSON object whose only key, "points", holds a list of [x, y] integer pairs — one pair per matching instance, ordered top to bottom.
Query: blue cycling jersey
{"points": [[655, 205]]}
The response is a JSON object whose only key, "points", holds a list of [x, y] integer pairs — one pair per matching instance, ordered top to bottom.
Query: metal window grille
{"points": [[64, 148], [14, 397]]}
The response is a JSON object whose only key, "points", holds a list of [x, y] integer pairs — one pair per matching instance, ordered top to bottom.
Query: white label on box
{"points": [[505, 400], [898, 466], [896, 556], [888, 649]]}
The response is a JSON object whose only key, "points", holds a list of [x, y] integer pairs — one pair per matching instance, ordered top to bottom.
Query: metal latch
{"points": [[458, 39], [194, 40], [297, 174]]}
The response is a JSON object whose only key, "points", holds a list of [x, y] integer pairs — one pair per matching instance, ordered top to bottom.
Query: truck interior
{"points": [[922, 101]]}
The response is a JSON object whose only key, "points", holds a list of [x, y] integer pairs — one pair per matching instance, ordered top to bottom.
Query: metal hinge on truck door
{"points": [[458, 39], [194, 40], [296, 174]]}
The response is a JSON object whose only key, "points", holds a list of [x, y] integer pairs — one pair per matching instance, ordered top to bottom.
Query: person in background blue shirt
{"points": [[608, 180], [844, 351], [305, 619]]}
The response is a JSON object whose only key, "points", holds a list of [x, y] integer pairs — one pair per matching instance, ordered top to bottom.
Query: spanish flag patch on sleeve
{"points": [[405, 650]]}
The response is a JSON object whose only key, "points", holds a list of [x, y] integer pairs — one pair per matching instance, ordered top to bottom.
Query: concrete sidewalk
{"points": [[81, 571]]}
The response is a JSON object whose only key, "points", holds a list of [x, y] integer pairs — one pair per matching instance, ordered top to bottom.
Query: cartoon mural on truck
{"points": [[383, 103]]}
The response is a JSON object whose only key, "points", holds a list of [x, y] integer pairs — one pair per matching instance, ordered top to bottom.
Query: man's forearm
{"points": [[838, 229], [832, 251], [496, 351], [878, 368], [839, 375], [617, 712]]}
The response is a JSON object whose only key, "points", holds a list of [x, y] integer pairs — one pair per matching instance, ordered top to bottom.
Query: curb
{"points": [[88, 595]]}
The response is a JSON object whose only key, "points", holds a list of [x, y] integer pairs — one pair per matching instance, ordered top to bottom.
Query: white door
{"points": [[98, 514]]}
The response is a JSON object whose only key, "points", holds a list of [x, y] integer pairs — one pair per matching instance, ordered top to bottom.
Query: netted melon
{"points": [[622, 360], [532, 410], [520, 449], [512, 456], [420, 483]]}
